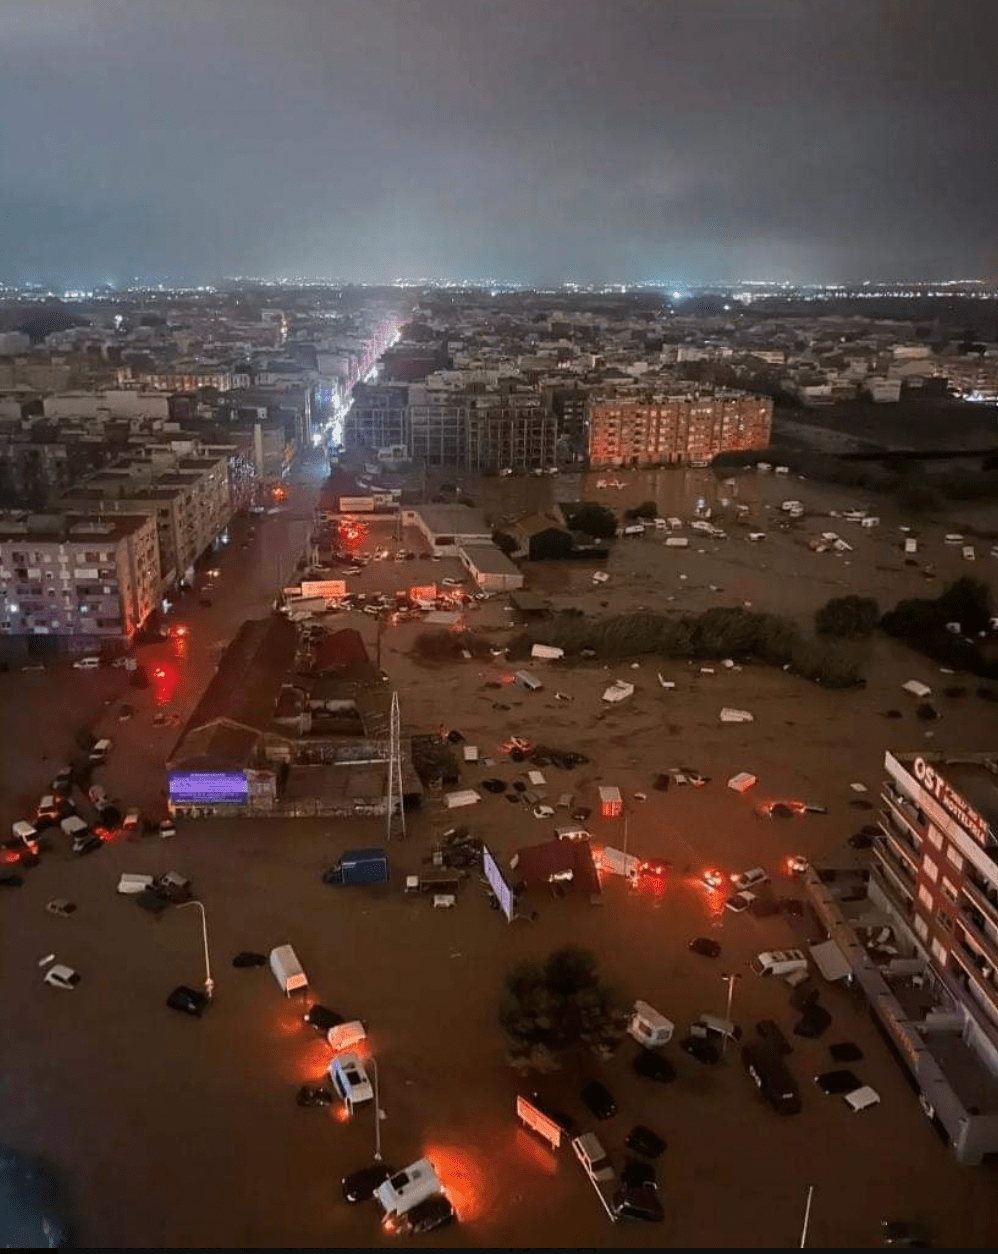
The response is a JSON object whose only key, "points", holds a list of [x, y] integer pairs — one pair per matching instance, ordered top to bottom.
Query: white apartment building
{"points": [[77, 579]]}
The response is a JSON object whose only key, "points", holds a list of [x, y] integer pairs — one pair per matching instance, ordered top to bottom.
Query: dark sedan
{"points": [[705, 947], [188, 1000], [701, 1049], [653, 1066], [597, 1098], [359, 1186]]}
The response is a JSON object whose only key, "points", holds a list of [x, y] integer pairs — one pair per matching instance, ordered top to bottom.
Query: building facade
{"points": [[628, 430], [73, 582]]}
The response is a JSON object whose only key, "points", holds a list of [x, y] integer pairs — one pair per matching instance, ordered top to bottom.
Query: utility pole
{"points": [[395, 822], [731, 993], [807, 1216]]}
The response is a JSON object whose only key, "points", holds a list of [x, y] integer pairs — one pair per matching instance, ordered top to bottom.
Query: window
{"points": [[935, 837], [954, 857], [930, 868], [949, 889], [925, 897], [944, 920], [921, 927], [938, 952]]}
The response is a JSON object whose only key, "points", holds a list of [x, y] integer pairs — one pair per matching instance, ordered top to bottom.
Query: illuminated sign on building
{"points": [[331, 589], [209, 788], [950, 800]]}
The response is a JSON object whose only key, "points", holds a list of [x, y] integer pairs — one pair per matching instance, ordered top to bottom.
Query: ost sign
{"points": [[330, 589], [950, 800]]}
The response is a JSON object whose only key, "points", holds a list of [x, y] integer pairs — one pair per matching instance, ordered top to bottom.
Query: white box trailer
{"points": [[676, 542], [911, 546], [547, 652], [528, 681], [471, 753], [742, 782], [463, 797], [619, 863], [830, 961], [287, 970], [648, 1027], [406, 1189]]}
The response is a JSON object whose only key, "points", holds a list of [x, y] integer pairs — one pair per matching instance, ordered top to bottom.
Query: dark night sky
{"points": [[529, 140]]}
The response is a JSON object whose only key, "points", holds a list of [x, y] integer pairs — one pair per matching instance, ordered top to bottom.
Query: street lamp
{"points": [[209, 983], [731, 992], [377, 1112]]}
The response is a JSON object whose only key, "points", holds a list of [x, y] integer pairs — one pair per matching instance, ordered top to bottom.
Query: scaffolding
{"points": [[395, 810]]}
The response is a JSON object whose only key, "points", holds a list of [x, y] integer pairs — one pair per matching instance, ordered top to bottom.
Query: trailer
{"points": [[433, 882]]}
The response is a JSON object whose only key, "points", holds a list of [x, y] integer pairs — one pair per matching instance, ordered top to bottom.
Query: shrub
{"points": [[647, 509], [593, 520], [847, 616]]}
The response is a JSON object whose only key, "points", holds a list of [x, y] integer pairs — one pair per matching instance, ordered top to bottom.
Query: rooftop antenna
{"points": [[396, 809]]}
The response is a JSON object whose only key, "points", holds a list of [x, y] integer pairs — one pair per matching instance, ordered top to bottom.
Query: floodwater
{"points": [[176, 1132]]}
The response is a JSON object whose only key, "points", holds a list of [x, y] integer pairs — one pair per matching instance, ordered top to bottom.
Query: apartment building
{"points": [[973, 378], [379, 417], [482, 425], [627, 429], [187, 496], [69, 583]]}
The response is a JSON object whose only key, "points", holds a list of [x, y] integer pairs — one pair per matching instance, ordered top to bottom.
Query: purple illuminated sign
{"points": [[209, 787]]}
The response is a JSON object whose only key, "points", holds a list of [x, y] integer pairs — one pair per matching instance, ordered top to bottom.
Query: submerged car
{"points": [[704, 946], [60, 976], [188, 1000], [322, 1019], [701, 1049], [653, 1066], [836, 1083], [314, 1095], [598, 1099], [642, 1140], [359, 1186], [638, 1203], [435, 1212]]}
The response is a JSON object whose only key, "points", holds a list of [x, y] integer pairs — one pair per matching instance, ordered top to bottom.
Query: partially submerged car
{"points": [[61, 976]]}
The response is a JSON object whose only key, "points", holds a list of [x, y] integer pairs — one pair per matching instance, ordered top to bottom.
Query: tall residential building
{"points": [[628, 429], [78, 580]]}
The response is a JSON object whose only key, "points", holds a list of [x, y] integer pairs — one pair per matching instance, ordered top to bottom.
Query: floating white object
{"points": [[917, 688], [619, 690], [729, 715], [742, 782]]}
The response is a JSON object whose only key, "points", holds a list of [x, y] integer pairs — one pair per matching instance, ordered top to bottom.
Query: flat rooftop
{"points": [[454, 519], [975, 781]]}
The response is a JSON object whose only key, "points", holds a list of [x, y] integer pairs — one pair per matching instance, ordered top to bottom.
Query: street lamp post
{"points": [[209, 983], [731, 993], [377, 1113]]}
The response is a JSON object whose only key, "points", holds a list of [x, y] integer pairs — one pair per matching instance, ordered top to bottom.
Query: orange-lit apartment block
{"points": [[648, 430]]}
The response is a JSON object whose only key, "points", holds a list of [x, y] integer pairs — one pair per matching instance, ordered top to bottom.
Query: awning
{"points": [[830, 961]]}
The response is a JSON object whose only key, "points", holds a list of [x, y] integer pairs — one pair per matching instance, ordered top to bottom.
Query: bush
{"points": [[647, 509], [593, 520], [504, 542], [847, 616], [921, 623], [717, 633], [559, 1004]]}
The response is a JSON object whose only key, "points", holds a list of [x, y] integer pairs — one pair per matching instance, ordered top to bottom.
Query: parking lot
{"points": [[132, 1102]]}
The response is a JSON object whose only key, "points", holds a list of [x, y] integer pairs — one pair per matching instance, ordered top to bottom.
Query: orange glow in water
{"points": [[165, 682], [340, 1113], [538, 1155], [465, 1177]]}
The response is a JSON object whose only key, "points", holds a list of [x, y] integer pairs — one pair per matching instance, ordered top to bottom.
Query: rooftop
{"points": [[459, 519], [70, 528], [489, 560]]}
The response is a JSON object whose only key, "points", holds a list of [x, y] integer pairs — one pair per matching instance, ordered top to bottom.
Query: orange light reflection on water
{"points": [[465, 1179]]}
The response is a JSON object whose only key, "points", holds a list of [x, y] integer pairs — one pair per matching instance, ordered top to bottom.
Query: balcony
{"points": [[907, 813], [901, 838], [894, 879], [984, 897], [972, 921], [977, 972]]}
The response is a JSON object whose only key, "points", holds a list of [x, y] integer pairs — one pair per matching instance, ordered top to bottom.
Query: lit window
{"points": [[954, 857], [930, 868]]}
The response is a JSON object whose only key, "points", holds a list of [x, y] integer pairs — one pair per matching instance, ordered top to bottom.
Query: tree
{"points": [[919, 498], [647, 509], [593, 520], [502, 540], [847, 616], [552, 1006]]}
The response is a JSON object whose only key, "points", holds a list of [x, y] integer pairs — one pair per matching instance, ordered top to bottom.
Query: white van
{"points": [[87, 664], [528, 681], [100, 750], [73, 826], [24, 832], [571, 833], [750, 879], [130, 885], [780, 962], [288, 971], [592, 1156], [406, 1189]]}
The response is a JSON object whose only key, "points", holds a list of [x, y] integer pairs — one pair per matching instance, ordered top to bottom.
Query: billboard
{"points": [[357, 504], [330, 589], [209, 788], [498, 885], [541, 1124]]}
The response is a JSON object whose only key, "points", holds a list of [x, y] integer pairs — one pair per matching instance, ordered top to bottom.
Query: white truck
{"points": [[648, 1027], [406, 1189]]}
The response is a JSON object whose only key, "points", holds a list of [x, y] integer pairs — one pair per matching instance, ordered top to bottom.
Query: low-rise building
{"points": [[448, 528], [490, 568]]}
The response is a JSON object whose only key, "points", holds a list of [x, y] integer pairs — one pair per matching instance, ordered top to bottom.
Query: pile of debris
{"points": [[434, 760], [460, 850]]}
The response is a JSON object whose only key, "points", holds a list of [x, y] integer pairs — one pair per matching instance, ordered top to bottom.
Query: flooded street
{"points": [[174, 1132]]}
